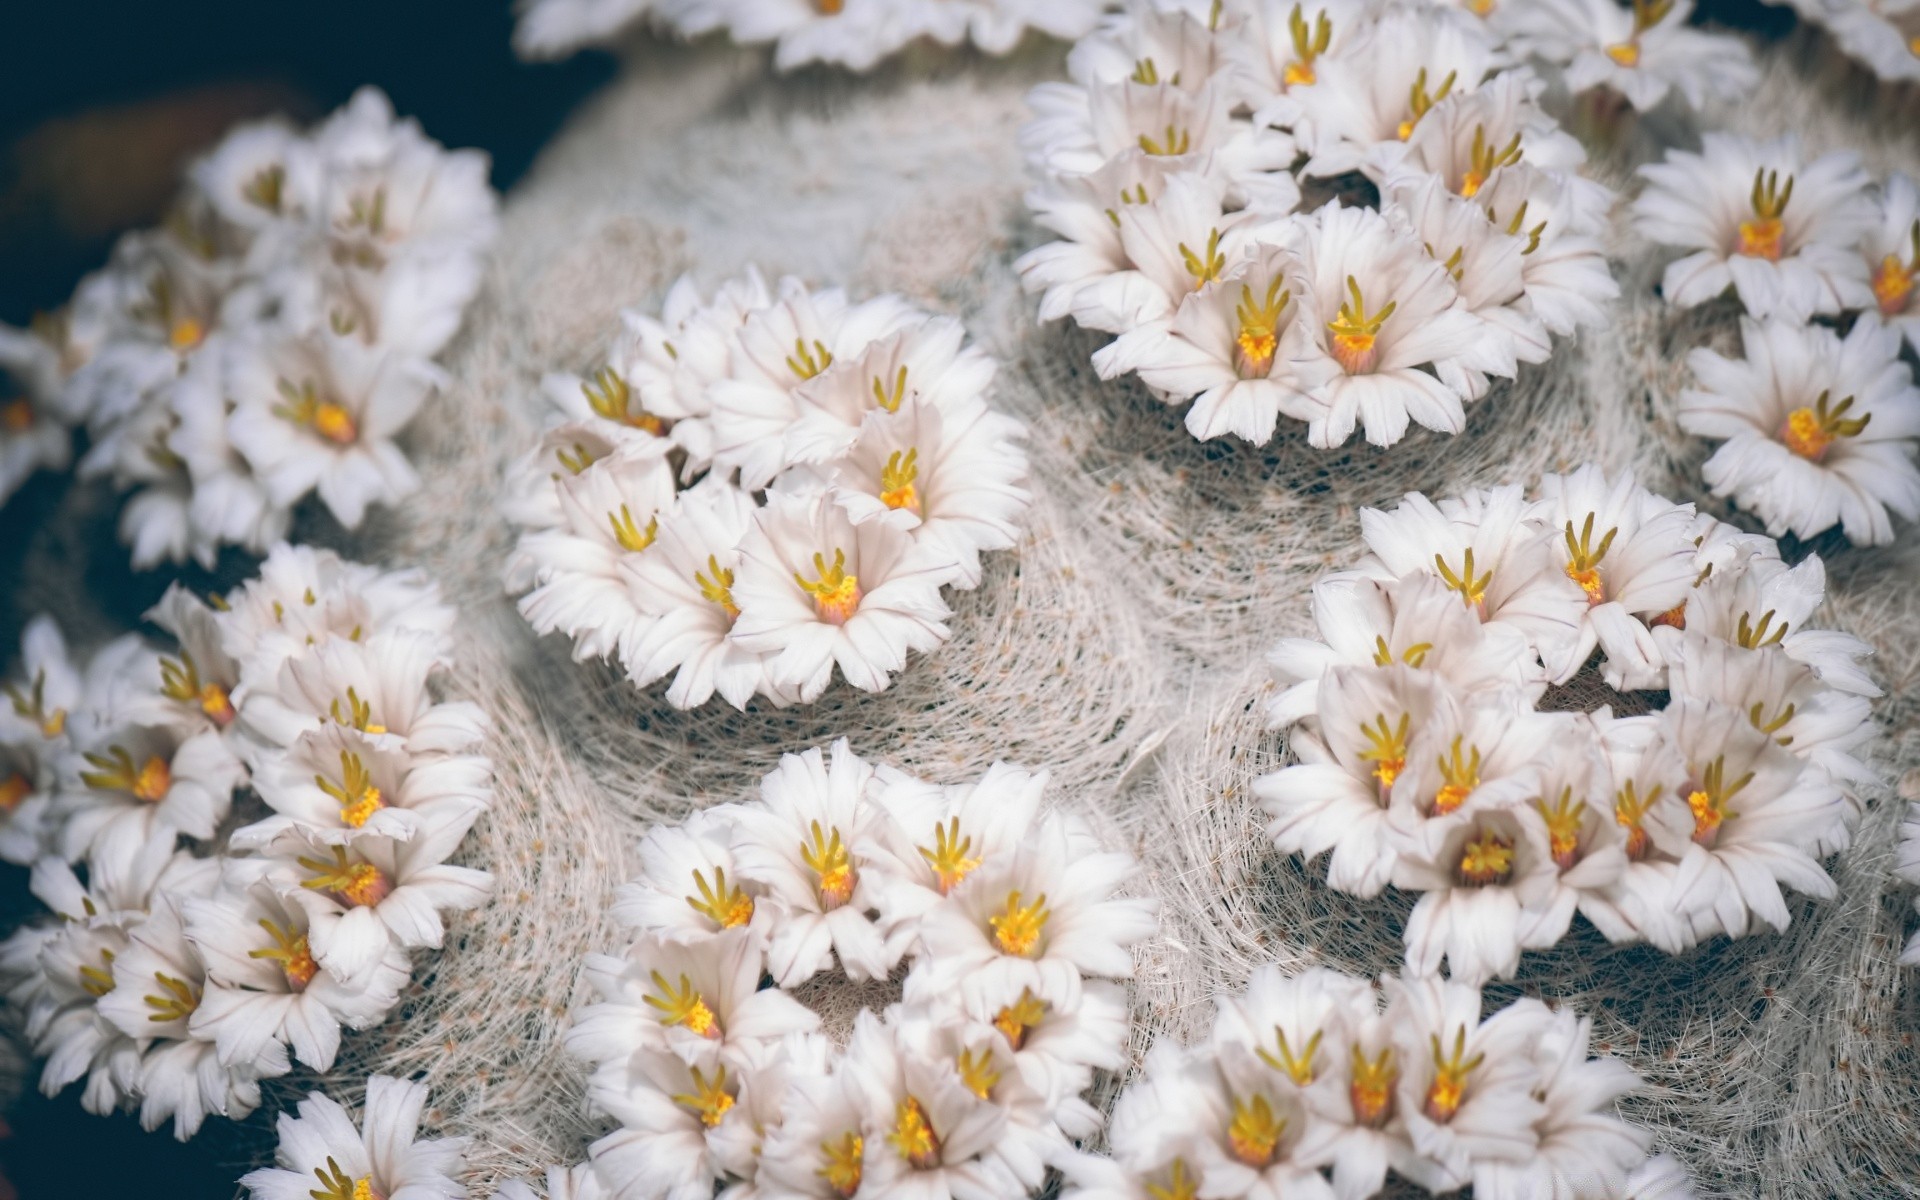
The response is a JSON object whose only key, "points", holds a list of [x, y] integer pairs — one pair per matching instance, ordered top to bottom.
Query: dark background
{"points": [[101, 104]]}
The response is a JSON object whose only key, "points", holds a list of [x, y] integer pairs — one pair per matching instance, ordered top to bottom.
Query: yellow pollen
{"points": [[829, 8], [1646, 14], [1913, 45], [1307, 46], [1627, 54], [1419, 100], [1485, 159], [1764, 236], [1204, 269], [1893, 280], [1355, 331], [1259, 333], [185, 334], [611, 399], [303, 406], [16, 416], [1809, 431], [897, 480], [628, 533], [1583, 559], [719, 589], [836, 593], [1676, 617], [217, 704], [1386, 749], [114, 772], [1460, 776], [13, 789], [356, 794], [1709, 801], [1630, 812], [1563, 820], [949, 857], [828, 859], [1486, 860], [356, 885], [720, 902], [1017, 930], [291, 951], [98, 981], [178, 1002], [683, 1006], [1018, 1019], [1298, 1068], [976, 1072], [1448, 1091], [1370, 1093], [709, 1100], [913, 1135], [1253, 1135], [844, 1157], [336, 1184], [1181, 1184]]}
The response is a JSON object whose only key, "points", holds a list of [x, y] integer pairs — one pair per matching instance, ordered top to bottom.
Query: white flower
{"points": [[556, 28], [855, 34], [1884, 34], [1277, 49], [1640, 52], [1468, 136], [261, 175], [1762, 218], [1892, 251], [1564, 266], [1087, 274], [1388, 310], [1241, 346], [320, 412], [1817, 431], [32, 435], [229, 502], [815, 590], [1768, 603], [196, 683], [376, 686], [35, 704], [1484, 753], [124, 784], [337, 784], [951, 831], [1584, 837], [812, 842], [1483, 873], [660, 900], [1640, 903], [1301, 1027], [1055, 1029], [769, 1085], [668, 1113], [1252, 1127], [1156, 1136], [819, 1150], [382, 1157]]}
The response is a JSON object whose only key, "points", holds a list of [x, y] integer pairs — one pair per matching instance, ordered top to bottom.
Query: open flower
{"points": [[1884, 34], [1642, 52], [1763, 219], [1892, 251], [1563, 269], [1087, 273], [1817, 430], [32, 435], [1767, 604], [377, 686], [36, 702], [125, 784], [337, 784], [951, 831], [1482, 873], [669, 1110], [384, 1156]]}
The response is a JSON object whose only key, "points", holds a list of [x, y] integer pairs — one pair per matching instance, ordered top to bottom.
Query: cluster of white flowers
{"points": [[854, 34], [1883, 34], [1168, 168], [270, 340], [1817, 430], [756, 488], [1424, 762], [181, 980], [967, 1087], [1306, 1088], [381, 1160]]}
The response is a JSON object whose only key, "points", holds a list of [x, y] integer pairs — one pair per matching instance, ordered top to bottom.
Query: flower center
{"points": [[829, 8], [1646, 14], [1308, 45], [1626, 54], [1419, 100], [1175, 141], [1486, 158], [265, 187], [1764, 236], [1204, 269], [1892, 280], [1355, 331], [1259, 333], [185, 334], [806, 363], [611, 399], [303, 406], [16, 415], [1809, 431], [897, 480], [628, 533], [1583, 559], [1472, 588], [719, 589], [836, 594], [1675, 617], [1749, 636], [181, 681], [32, 705], [358, 713], [1386, 749], [114, 772], [1459, 776], [13, 789], [356, 794], [1709, 801], [1630, 812], [1563, 819], [949, 857], [828, 858], [1485, 861], [353, 884], [720, 902], [1017, 930], [291, 951], [98, 981], [176, 1002], [683, 1006], [1018, 1019], [1297, 1067], [976, 1072], [1371, 1091], [1448, 1091], [709, 1100], [913, 1135], [1253, 1135], [844, 1157], [336, 1184], [1181, 1184]]}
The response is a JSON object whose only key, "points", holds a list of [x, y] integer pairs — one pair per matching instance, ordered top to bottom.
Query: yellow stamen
{"points": [[829, 8], [1646, 14], [1306, 47], [1419, 100], [1176, 142], [1485, 159], [265, 188], [1764, 236], [1208, 268], [1893, 280], [1355, 331], [1259, 333], [185, 334], [807, 363], [889, 395], [611, 398], [325, 417], [1809, 432], [579, 460], [897, 480], [628, 533], [1583, 559], [1472, 588], [719, 589], [836, 594], [1751, 637], [1414, 656], [181, 681], [32, 705], [359, 713], [1774, 726], [1386, 749], [114, 772], [1460, 777], [14, 789], [356, 794], [1709, 801], [1630, 813], [1563, 820], [949, 857], [828, 858], [1485, 860], [356, 885], [720, 902], [1017, 930], [291, 951], [98, 981], [177, 1004], [683, 1006], [1020, 1018], [1298, 1068], [976, 1072], [1448, 1091], [1370, 1093], [709, 1100], [1254, 1133], [913, 1135], [845, 1158], [335, 1184], [1181, 1184]]}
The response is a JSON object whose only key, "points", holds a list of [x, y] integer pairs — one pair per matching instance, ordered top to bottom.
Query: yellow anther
{"points": [[829, 8], [1646, 15], [1307, 46], [1145, 72], [1419, 100], [1176, 142], [1485, 159], [1134, 195], [1517, 226], [1764, 236], [1454, 264], [1204, 270], [1893, 279], [1259, 328], [1354, 330], [807, 363], [888, 395], [611, 399], [304, 407], [1810, 431], [579, 460], [897, 478], [628, 533], [1583, 559], [1472, 588], [719, 589], [836, 593], [1751, 637], [181, 681], [358, 713], [1386, 749], [114, 772], [1460, 777], [356, 794], [1709, 800], [1630, 813], [1564, 819], [951, 856], [829, 860], [1485, 860], [353, 884], [725, 904], [1017, 930], [291, 951], [178, 1002], [683, 1006], [1020, 1018], [1297, 1067], [976, 1071], [1370, 1090], [1448, 1091], [709, 1100], [1254, 1133], [913, 1135], [845, 1157], [335, 1184], [1181, 1184]]}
